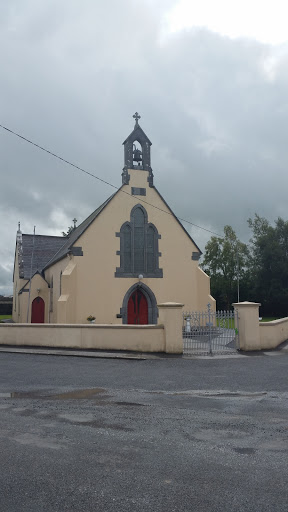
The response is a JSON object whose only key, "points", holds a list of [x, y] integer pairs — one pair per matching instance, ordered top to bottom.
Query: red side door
{"points": [[137, 309], [38, 311]]}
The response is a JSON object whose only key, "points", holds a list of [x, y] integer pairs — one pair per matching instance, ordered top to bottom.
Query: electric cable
{"points": [[102, 180]]}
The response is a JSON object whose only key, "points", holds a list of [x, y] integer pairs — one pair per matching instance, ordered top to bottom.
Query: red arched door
{"points": [[137, 308], [38, 311]]}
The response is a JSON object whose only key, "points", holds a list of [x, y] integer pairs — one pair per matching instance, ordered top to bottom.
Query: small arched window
{"points": [[138, 246], [51, 295]]}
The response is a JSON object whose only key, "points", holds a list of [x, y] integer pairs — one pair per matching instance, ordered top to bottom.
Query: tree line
{"points": [[260, 267]]}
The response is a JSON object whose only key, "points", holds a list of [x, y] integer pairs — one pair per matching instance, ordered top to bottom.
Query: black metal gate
{"points": [[210, 332]]}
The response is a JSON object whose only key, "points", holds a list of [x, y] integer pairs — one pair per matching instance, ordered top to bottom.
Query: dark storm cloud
{"points": [[73, 74]]}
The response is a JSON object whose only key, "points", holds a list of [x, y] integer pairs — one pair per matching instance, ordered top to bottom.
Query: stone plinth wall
{"points": [[273, 333], [255, 335], [105, 337], [138, 338]]}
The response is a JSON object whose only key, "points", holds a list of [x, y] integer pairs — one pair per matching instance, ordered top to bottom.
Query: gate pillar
{"points": [[170, 314], [248, 322]]}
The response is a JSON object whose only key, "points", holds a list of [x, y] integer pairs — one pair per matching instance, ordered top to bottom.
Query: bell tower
{"points": [[137, 153]]}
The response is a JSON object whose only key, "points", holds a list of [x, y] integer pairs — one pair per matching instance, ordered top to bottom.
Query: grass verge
{"points": [[5, 317]]}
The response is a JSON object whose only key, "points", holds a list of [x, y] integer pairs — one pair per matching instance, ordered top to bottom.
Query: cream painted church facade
{"points": [[123, 260]]}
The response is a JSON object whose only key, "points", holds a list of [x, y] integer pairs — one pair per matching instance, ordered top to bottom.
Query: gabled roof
{"points": [[137, 133], [180, 223], [75, 234], [44, 248], [50, 249], [27, 281]]}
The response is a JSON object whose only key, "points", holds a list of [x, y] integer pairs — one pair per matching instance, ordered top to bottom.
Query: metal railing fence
{"points": [[210, 332]]}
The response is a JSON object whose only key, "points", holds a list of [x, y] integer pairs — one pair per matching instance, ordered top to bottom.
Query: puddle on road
{"points": [[199, 393], [78, 394], [98, 394], [133, 404], [245, 451]]}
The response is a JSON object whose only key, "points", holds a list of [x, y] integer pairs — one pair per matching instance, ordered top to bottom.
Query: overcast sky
{"points": [[208, 78]]}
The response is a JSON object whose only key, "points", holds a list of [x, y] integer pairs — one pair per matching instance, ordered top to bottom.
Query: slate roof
{"points": [[44, 248]]}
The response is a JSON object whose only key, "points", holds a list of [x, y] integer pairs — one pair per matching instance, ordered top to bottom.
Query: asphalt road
{"points": [[158, 435]]}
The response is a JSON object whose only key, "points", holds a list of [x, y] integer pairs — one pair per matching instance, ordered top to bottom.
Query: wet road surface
{"points": [[163, 435]]}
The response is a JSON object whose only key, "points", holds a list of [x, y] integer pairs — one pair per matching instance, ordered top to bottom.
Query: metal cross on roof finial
{"points": [[136, 117], [74, 220]]}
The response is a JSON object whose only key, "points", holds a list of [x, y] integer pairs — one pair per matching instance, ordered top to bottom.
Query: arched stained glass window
{"points": [[139, 240], [127, 247], [138, 247], [151, 261]]}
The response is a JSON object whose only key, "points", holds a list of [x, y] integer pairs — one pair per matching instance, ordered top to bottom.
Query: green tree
{"points": [[225, 258], [270, 265]]}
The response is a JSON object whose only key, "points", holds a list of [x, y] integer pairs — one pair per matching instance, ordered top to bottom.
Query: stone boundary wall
{"points": [[273, 333], [255, 335], [78, 336], [164, 337]]}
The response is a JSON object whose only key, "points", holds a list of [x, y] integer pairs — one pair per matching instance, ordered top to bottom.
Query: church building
{"points": [[129, 255]]}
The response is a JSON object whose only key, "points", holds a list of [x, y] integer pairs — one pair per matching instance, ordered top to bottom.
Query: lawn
{"points": [[4, 317], [269, 318], [226, 323], [229, 324]]}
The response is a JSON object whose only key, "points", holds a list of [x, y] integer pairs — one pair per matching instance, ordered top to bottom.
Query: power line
{"points": [[100, 179]]}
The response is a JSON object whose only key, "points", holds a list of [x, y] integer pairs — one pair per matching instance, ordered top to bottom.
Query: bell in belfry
{"points": [[137, 155]]}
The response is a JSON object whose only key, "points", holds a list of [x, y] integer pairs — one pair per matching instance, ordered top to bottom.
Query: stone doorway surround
{"points": [[151, 300]]}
